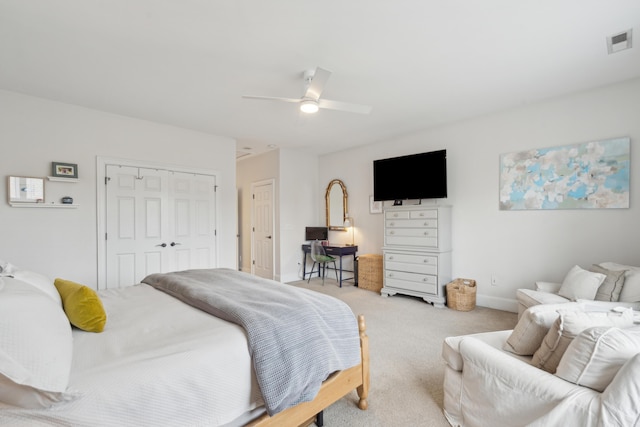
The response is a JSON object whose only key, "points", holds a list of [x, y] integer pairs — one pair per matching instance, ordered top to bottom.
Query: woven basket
{"points": [[370, 272], [461, 294]]}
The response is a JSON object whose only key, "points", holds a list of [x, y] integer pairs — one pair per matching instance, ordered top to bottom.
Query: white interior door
{"points": [[192, 220], [157, 221], [136, 229], [262, 242]]}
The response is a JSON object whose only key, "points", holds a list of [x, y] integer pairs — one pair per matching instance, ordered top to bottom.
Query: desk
{"points": [[335, 251]]}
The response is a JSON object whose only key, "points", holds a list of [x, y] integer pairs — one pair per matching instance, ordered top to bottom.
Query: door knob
{"points": [[268, 237], [175, 244], [164, 245]]}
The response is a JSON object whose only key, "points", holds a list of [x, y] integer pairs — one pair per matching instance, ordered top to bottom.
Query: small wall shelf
{"points": [[59, 179], [44, 205]]}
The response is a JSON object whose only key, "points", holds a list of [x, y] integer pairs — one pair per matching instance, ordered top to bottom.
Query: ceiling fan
{"points": [[310, 102]]}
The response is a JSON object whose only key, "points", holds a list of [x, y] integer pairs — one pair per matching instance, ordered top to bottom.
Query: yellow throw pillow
{"points": [[82, 306]]}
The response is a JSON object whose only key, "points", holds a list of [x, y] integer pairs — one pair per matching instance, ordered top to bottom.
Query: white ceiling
{"points": [[418, 63]]}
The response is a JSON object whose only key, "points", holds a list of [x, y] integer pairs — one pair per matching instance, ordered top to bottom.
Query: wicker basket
{"points": [[370, 272], [461, 294]]}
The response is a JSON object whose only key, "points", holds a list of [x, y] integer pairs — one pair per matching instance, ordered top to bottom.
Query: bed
{"points": [[164, 358]]}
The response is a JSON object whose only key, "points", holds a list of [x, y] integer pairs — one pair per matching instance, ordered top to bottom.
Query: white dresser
{"points": [[417, 251]]}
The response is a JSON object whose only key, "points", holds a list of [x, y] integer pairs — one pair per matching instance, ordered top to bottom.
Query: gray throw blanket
{"points": [[297, 337]]}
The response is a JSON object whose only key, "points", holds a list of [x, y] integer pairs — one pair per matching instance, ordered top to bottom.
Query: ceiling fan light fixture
{"points": [[309, 106]]}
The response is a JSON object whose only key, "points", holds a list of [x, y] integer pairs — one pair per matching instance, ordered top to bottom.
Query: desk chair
{"points": [[319, 256]]}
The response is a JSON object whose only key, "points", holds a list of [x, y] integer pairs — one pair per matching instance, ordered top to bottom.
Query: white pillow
{"points": [[41, 282], [580, 283], [612, 285], [631, 288], [533, 326], [567, 326], [36, 349], [596, 355]]}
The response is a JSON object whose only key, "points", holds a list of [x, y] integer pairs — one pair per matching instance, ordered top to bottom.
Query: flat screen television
{"points": [[417, 176], [316, 233]]}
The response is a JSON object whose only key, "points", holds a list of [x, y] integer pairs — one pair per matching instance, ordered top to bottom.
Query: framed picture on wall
{"points": [[64, 170], [374, 207]]}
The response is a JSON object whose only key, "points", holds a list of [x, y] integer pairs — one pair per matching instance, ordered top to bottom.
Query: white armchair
{"points": [[608, 283]]}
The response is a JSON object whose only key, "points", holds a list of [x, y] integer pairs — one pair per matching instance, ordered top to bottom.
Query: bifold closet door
{"points": [[192, 220], [157, 221], [137, 226]]}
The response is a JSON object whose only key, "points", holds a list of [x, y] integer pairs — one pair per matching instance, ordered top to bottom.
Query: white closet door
{"points": [[192, 220], [137, 228]]}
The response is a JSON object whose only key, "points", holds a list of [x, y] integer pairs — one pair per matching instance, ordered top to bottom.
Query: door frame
{"points": [[271, 181], [101, 203]]}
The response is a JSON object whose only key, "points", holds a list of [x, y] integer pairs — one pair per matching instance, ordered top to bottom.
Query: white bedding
{"points": [[159, 362]]}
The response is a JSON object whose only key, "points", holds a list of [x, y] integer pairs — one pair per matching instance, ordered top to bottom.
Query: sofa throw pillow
{"points": [[580, 283], [610, 289], [631, 289], [82, 306], [533, 325], [567, 326], [37, 347], [596, 355]]}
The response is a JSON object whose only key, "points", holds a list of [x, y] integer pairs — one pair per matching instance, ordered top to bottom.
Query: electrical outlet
{"points": [[494, 280]]}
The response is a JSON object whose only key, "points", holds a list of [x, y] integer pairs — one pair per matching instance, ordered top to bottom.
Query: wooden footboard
{"points": [[333, 389]]}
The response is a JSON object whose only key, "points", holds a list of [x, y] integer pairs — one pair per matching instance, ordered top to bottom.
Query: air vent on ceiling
{"points": [[619, 42], [241, 154]]}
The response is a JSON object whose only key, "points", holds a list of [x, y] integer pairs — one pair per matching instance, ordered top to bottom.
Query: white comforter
{"points": [[153, 349]]}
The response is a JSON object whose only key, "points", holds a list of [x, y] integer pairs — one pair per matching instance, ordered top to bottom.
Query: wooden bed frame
{"points": [[333, 389]]}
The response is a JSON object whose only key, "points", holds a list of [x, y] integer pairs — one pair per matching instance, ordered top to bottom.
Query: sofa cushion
{"points": [[580, 283], [610, 289], [631, 289], [529, 297], [533, 325], [567, 326], [451, 346], [596, 355]]}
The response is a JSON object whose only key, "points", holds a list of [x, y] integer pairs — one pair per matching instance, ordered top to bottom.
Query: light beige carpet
{"points": [[405, 340]]}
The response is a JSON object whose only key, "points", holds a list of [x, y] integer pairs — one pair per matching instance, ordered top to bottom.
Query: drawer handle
{"points": [[421, 214], [395, 215], [426, 223], [391, 224], [392, 232], [426, 233], [391, 257], [426, 261], [390, 274], [424, 280]]}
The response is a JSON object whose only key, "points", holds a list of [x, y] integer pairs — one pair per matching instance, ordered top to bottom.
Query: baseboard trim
{"points": [[498, 303]]}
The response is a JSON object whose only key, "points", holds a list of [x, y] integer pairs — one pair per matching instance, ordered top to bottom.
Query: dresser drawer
{"points": [[427, 213], [396, 215], [411, 223], [413, 232], [431, 242], [423, 264], [415, 282]]}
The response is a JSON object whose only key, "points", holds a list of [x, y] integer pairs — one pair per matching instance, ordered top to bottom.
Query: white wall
{"points": [[296, 205], [298, 208], [62, 242], [518, 247]]}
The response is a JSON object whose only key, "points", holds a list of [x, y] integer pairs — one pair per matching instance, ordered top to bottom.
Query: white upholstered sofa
{"points": [[621, 283], [564, 364]]}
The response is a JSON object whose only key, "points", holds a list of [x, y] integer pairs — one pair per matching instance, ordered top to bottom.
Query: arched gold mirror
{"points": [[336, 200]]}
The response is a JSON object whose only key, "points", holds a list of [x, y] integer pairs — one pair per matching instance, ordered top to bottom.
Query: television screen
{"points": [[417, 176], [316, 233]]}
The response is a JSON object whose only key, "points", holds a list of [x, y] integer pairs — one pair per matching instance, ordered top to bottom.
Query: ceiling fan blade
{"points": [[317, 83], [272, 98], [344, 106]]}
